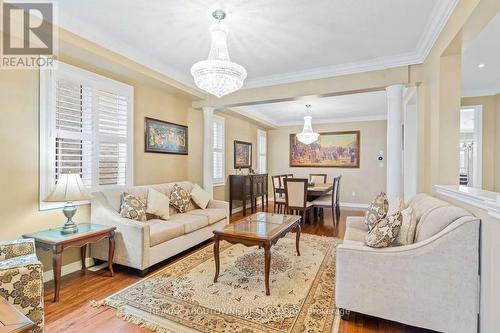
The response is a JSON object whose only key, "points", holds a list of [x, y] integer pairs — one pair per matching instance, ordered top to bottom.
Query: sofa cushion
{"points": [[200, 196], [180, 198], [422, 203], [158, 204], [132, 208], [377, 210], [213, 214], [437, 219], [191, 222], [356, 229], [161, 231], [385, 231], [406, 234]]}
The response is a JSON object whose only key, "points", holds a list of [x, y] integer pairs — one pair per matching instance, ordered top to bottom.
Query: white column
{"points": [[208, 113], [394, 142]]}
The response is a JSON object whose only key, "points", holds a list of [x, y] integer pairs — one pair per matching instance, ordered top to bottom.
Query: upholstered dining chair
{"points": [[317, 178], [296, 197], [279, 200], [330, 200]]}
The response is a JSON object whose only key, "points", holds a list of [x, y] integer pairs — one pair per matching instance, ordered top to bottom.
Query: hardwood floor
{"points": [[73, 313]]}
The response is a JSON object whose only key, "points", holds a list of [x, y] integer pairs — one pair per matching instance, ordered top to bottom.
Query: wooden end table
{"points": [[260, 229], [53, 240], [11, 320]]}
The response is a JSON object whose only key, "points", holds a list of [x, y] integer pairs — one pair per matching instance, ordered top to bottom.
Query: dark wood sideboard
{"points": [[248, 188]]}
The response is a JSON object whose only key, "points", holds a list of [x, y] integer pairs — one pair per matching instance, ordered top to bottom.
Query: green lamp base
{"points": [[69, 226]]}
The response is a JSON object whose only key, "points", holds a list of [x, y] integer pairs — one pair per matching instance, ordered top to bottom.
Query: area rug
{"points": [[182, 297]]}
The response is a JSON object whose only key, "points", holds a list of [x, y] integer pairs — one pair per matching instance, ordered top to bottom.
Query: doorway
{"points": [[471, 146]]}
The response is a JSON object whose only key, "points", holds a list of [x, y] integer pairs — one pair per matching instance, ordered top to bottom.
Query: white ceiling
{"points": [[276, 41], [484, 49], [344, 108]]}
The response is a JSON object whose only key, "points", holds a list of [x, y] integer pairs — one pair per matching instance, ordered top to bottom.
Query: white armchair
{"points": [[433, 283]]}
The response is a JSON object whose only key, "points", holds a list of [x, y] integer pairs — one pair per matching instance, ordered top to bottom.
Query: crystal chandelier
{"points": [[218, 75], [307, 136]]}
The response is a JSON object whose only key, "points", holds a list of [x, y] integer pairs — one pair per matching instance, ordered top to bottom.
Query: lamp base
{"points": [[69, 226]]}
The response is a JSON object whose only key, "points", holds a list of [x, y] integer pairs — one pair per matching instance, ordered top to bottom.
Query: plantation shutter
{"points": [[73, 130], [112, 136], [262, 147], [218, 150]]}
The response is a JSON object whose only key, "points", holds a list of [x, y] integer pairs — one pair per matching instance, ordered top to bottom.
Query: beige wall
{"points": [[236, 128], [497, 144], [490, 148], [19, 173], [366, 182]]}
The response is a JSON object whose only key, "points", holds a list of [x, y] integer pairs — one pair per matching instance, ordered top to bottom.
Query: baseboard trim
{"points": [[67, 269]]}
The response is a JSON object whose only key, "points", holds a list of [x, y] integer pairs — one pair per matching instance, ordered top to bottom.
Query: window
{"points": [[85, 128], [218, 148], [262, 151]]}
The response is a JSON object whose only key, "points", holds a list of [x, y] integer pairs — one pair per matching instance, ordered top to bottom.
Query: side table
{"points": [[53, 240], [11, 320]]}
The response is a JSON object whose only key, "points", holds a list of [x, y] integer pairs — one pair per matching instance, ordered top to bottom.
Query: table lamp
{"points": [[69, 188]]}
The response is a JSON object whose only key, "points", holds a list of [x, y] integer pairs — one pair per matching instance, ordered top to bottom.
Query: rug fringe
{"points": [[106, 302], [141, 322]]}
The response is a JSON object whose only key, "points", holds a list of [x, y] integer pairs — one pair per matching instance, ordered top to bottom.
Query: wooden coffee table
{"points": [[260, 229]]}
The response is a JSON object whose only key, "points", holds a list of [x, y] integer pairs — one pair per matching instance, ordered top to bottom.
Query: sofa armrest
{"points": [[220, 204], [132, 237], [16, 248], [440, 272]]}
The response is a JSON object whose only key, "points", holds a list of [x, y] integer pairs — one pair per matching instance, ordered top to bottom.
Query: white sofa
{"points": [[142, 244], [433, 283]]}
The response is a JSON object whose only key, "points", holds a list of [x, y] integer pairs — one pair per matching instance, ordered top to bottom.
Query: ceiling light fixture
{"points": [[481, 66], [218, 75], [307, 136]]}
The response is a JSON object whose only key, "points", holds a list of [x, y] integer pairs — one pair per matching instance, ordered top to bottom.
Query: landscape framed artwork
{"points": [[164, 137], [332, 150], [242, 155]]}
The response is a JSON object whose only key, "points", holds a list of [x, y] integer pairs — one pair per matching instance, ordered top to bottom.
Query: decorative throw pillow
{"points": [[200, 196], [180, 199], [158, 204], [398, 205], [132, 208], [377, 210], [385, 231], [406, 234]]}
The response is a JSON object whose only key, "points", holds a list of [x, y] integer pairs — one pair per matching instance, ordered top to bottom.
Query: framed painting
{"points": [[164, 137], [332, 150], [242, 155]]}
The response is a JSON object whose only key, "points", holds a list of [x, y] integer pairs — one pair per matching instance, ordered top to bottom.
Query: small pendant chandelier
{"points": [[218, 75], [307, 136]]}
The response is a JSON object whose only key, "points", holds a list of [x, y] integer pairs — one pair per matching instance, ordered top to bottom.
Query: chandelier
{"points": [[218, 75], [307, 136]]}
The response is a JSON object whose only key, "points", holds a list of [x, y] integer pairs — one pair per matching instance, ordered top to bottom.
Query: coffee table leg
{"points": [[297, 238], [216, 256], [267, 266]]}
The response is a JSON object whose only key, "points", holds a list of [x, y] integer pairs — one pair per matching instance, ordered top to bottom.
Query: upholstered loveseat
{"points": [[142, 244], [21, 279], [432, 283]]}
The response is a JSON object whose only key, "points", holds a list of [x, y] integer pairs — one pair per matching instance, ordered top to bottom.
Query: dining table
{"points": [[313, 190]]}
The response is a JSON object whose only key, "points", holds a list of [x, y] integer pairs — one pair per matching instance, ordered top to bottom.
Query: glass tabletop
{"points": [[260, 224], [55, 235]]}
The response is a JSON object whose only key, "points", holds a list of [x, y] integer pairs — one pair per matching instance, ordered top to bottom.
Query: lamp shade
{"points": [[68, 188]]}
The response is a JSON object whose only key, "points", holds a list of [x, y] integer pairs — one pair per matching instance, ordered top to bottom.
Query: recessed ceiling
{"points": [[276, 41], [481, 62], [344, 108]]}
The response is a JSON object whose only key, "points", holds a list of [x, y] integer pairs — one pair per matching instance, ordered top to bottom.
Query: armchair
{"points": [[21, 279]]}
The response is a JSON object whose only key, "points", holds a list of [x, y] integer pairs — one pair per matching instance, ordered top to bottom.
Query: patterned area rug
{"points": [[182, 297]]}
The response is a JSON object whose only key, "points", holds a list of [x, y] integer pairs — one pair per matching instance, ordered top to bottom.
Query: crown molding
{"points": [[481, 92], [334, 120]]}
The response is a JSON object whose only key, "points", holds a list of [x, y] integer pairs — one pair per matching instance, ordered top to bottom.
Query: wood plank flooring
{"points": [[73, 312]]}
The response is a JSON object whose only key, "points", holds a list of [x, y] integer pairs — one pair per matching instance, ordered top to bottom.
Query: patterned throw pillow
{"points": [[180, 199], [132, 208], [377, 210], [385, 231], [406, 234]]}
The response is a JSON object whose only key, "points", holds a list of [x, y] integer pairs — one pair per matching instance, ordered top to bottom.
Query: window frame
{"points": [[47, 127], [261, 133], [219, 181]]}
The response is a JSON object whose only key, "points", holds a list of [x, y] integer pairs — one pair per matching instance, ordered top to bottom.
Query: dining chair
{"points": [[289, 175], [317, 178], [296, 197], [279, 200], [330, 200]]}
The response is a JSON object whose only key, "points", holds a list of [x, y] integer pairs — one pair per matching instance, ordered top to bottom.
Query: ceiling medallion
{"points": [[218, 75], [307, 136]]}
